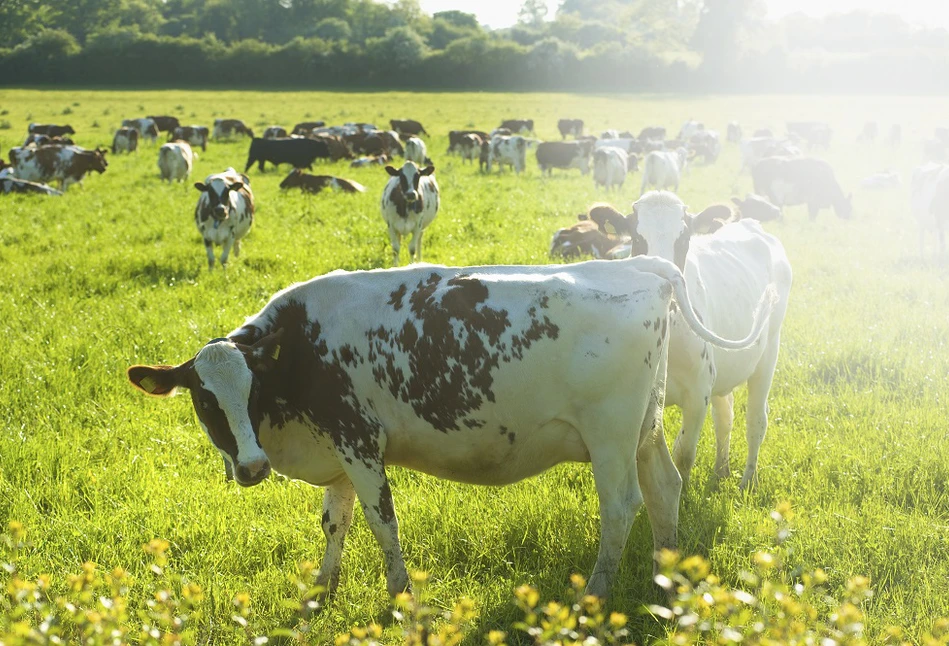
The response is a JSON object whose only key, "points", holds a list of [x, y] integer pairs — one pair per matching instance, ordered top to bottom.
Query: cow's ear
{"points": [[428, 170], [392, 171], [200, 186], [236, 186], [737, 202], [609, 220], [690, 220], [263, 355], [157, 381]]}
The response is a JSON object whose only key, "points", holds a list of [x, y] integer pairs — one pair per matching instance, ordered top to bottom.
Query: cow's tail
{"points": [[669, 271]]}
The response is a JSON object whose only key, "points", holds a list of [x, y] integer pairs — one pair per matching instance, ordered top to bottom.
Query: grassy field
{"points": [[114, 273]]}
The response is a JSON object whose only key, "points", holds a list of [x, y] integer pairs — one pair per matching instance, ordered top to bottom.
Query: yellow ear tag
{"points": [[610, 229], [276, 353], [147, 384]]}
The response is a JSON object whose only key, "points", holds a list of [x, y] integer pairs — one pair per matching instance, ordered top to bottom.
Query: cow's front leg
{"points": [[396, 241], [415, 247], [209, 248], [237, 248], [227, 250], [372, 487], [338, 499]]}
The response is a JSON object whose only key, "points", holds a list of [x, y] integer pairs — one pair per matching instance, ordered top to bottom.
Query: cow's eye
{"points": [[204, 405]]}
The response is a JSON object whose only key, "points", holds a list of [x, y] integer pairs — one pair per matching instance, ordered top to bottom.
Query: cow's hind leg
{"points": [[757, 414], [723, 415], [660, 481], [338, 500]]}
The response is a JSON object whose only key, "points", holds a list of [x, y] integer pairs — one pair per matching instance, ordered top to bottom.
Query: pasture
{"points": [[114, 273]]}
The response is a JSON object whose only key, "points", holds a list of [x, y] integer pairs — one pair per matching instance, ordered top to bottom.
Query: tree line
{"points": [[613, 45]]}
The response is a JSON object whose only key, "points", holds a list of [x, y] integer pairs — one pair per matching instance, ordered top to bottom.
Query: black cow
{"points": [[165, 123], [518, 125], [306, 127], [407, 127], [570, 127], [50, 129], [652, 133], [456, 137], [299, 153], [564, 154], [801, 180]]}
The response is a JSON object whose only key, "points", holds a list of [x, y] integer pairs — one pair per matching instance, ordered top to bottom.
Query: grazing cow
{"points": [[165, 123], [520, 126], [231, 127], [407, 127], [573, 127], [146, 128], [50, 129], [304, 129], [689, 129], [276, 132], [503, 132], [652, 133], [733, 133], [869, 133], [610, 134], [815, 134], [194, 135], [456, 137], [895, 137], [46, 140], [125, 140], [392, 142], [705, 144], [627, 145], [336, 146], [470, 147], [757, 148], [510, 150], [416, 151], [299, 153], [563, 154], [175, 161], [363, 162], [64, 164], [609, 168], [663, 169], [789, 181], [882, 181], [316, 183], [12, 184], [929, 200], [410, 202], [755, 207], [225, 212], [584, 237], [739, 279], [482, 375]]}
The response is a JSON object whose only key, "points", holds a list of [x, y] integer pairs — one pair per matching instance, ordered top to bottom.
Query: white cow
{"points": [[689, 129], [624, 144], [508, 150], [415, 151], [175, 161], [610, 167], [663, 168], [929, 200], [410, 202], [225, 212], [729, 274], [482, 375]]}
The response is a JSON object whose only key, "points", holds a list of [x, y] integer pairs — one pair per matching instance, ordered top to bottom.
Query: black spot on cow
{"points": [[395, 298], [510, 438], [385, 509], [326, 517], [332, 528]]}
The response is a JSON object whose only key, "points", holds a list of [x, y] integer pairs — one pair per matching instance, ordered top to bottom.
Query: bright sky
{"points": [[503, 13]]}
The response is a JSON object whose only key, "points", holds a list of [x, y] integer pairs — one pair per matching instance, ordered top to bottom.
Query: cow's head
{"points": [[67, 130], [99, 162], [409, 176], [292, 180], [218, 191], [660, 225], [223, 379]]}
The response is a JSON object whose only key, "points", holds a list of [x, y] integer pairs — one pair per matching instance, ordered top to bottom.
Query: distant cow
{"points": [[165, 123], [522, 126], [230, 127], [407, 127], [572, 127], [304, 128], [50, 129], [147, 129], [689, 129], [276, 132], [652, 133], [733, 133], [814, 133], [869, 133], [194, 135], [455, 137], [895, 137], [46, 140], [125, 140], [705, 144], [629, 145], [337, 147], [470, 147], [757, 148], [416, 151], [511, 151], [299, 153], [563, 154], [175, 161], [363, 162], [64, 164], [609, 168], [663, 169], [790, 181], [316, 183], [929, 201], [410, 202], [755, 207], [225, 212], [584, 238]]}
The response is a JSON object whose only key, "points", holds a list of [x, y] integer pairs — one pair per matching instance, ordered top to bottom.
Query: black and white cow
{"points": [[572, 127], [564, 154], [790, 181], [410, 202], [225, 212], [739, 280], [482, 375]]}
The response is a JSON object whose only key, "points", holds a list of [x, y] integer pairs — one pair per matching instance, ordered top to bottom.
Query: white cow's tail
{"points": [[665, 269]]}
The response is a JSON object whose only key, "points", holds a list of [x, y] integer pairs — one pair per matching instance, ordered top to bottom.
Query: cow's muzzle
{"points": [[411, 197], [252, 473]]}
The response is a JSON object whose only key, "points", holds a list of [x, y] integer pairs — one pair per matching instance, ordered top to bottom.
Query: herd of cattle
{"points": [[492, 374]]}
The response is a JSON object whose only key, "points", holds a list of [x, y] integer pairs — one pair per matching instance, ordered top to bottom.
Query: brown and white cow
{"points": [[194, 135], [125, 140], [64, 164], [316, 183], [410, 202], [225, 212], [585, 238], [739, 280], [483, 375]]}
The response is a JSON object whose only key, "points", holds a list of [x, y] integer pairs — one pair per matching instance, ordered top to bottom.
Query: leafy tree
{"points": [[532, 13], [458, 18], [333, 29], [402, 48]]}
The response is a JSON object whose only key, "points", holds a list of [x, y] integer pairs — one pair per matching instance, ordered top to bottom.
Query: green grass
{"points": [[114, 273]]}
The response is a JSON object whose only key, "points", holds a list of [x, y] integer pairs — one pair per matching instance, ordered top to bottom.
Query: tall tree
{"points": [[532, 13], [719, 32]]}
